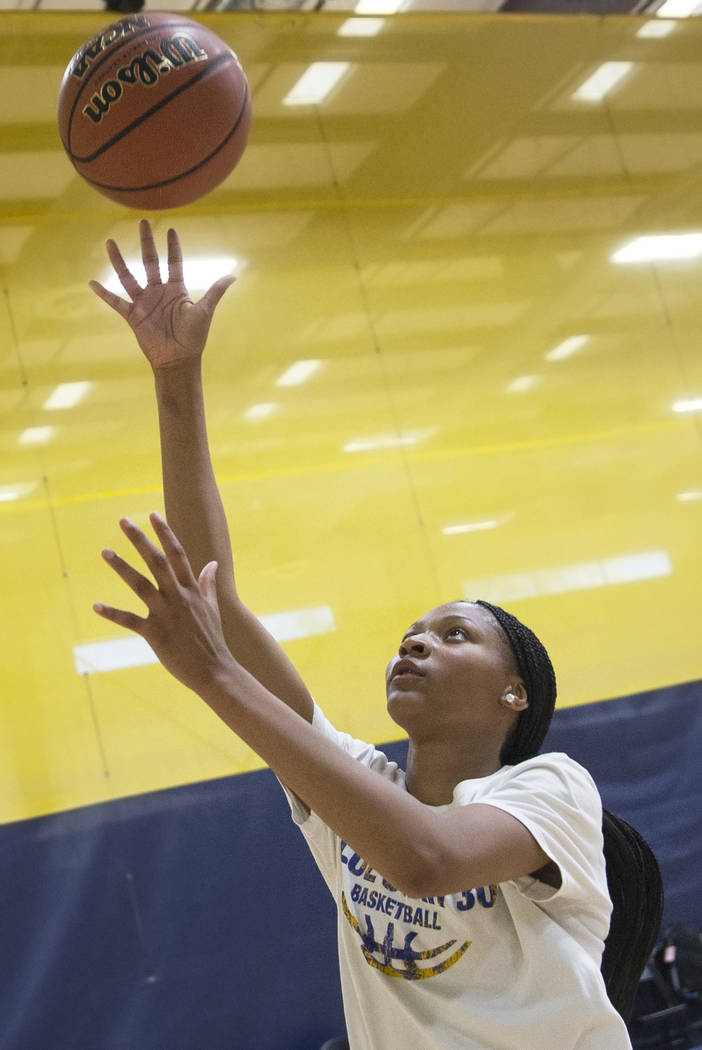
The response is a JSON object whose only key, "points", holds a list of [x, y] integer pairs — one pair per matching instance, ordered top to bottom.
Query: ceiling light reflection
{"points": [[361, 26], [656, 29], [603, 80], [315, 83], [659, 247], [199, 273], [567, 348], [299, 372], [521, 384], [66, 395], [692, 404], [264, 410], [36, 435], [402, 440], [8, 493], [690, 497], [475, 526], [581, 576], [113, 654]]}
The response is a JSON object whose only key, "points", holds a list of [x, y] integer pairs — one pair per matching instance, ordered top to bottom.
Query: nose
{"points": [[415, 646]]}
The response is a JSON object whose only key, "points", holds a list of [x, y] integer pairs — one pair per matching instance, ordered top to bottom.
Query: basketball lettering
{"points": [[101, 41], [145, 69]]}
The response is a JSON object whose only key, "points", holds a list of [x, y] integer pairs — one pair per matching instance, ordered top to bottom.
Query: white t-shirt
{"points": [[508, 967]]}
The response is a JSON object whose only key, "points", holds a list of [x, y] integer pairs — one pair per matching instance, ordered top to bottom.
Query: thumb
{"points": [[215, 293], [207, 583]]}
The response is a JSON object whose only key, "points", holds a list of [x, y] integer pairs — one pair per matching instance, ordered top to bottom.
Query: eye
{"points": [[457, 630]]}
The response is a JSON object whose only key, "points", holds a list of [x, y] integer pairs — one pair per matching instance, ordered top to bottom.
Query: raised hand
{"points": [[170, 328], [183, 624]]}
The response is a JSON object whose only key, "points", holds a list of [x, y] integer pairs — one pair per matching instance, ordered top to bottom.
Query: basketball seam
{"points": [[154, 109], [182, 174]]}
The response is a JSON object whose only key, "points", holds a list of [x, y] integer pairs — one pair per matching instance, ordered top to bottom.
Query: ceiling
{"points": [[369, 7], [461, 358]]}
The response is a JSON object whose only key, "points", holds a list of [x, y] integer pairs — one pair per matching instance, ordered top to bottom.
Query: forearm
{"points": [[193, 503], [195, 512], [388, 827]]}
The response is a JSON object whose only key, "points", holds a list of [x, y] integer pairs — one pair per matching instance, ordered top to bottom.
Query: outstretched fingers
{"points": [[149, 255], [175, 258], [125, 275], [120, 305], [173, 550], [154, 558], [142, 587], [121, 617]]}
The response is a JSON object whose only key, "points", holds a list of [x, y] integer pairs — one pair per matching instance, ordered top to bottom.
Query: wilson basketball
{"points": [[154, 111]]}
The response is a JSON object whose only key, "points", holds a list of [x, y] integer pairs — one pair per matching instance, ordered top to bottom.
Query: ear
{"points": [[515, 696]]}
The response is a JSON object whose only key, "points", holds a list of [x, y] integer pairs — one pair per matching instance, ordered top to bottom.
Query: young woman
{"points": [[472, 888]]}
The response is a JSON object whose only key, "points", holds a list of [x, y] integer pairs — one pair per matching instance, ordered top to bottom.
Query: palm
{"points": [[169, 326]]}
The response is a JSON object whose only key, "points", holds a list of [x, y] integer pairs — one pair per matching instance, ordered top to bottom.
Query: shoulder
{"points": [[365, 753], [554, 770], [550, 789]]}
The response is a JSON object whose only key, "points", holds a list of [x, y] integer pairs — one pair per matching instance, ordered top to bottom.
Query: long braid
{"points": [[633, 876], [636, 890]]}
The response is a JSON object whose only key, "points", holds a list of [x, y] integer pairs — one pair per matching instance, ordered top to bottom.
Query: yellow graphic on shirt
{"points": [[387, 951]]}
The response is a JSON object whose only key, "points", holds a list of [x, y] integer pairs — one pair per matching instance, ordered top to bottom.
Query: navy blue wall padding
{"points": [[194, 918]]}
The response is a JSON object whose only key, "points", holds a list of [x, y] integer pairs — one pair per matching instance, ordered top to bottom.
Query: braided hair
{"points": [[633, 876]]}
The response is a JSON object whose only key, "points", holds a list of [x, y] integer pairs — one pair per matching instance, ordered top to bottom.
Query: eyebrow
{"points": [[419, 625]]}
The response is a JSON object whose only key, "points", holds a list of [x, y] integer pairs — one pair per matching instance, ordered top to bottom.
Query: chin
{"points": [[403, 711]]}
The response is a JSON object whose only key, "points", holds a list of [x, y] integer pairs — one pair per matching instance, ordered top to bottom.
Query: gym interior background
{"points": [[461, 359]]}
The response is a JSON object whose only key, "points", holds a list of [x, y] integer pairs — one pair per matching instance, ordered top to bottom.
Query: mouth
{"points": [[405, 668]]}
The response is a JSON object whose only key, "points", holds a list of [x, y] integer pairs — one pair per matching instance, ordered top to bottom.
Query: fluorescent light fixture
{"points": [[378, 7], [677, 8], [361, 27], [656, 29], [603, 80], [315, 83], [660, 247], [199, 273], [567, 348], [299, 372], [522, 383], [66, 395], [692, 404], [261, 411], [36, 435], [403, 440], [8, 493], [690, 497], [475, 526], [627, 568], [299, 623], [115, 654]]}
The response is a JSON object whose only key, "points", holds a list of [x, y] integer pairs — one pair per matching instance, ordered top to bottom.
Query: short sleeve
{"points": [[365, 753], [556, 799]]}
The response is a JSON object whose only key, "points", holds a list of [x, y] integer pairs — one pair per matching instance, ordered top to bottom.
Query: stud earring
{"points": [[509, 698]]}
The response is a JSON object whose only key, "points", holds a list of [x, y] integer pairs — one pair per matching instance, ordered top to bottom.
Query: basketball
{"points": [[154, 111]]}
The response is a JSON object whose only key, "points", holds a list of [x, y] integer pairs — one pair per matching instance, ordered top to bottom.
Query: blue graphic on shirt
{"points": [[395, 954]]}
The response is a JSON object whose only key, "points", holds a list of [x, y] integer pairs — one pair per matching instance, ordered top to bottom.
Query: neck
{"points": [[434, 768]]}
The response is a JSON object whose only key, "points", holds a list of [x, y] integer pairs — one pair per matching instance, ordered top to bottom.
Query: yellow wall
{"points": [[430, 232]]}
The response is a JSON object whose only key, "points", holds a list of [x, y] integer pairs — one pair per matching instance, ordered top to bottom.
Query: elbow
{"points": [[419, 874]]}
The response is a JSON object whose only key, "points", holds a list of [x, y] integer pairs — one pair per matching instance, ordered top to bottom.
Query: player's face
{"points": [[451, 669]]}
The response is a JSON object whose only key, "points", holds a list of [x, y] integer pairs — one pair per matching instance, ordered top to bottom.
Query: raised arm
{"points": [[171, 331], [422, 852]]}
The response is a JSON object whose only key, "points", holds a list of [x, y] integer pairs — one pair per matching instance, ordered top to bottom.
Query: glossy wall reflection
{"points": [[461, 359]]}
